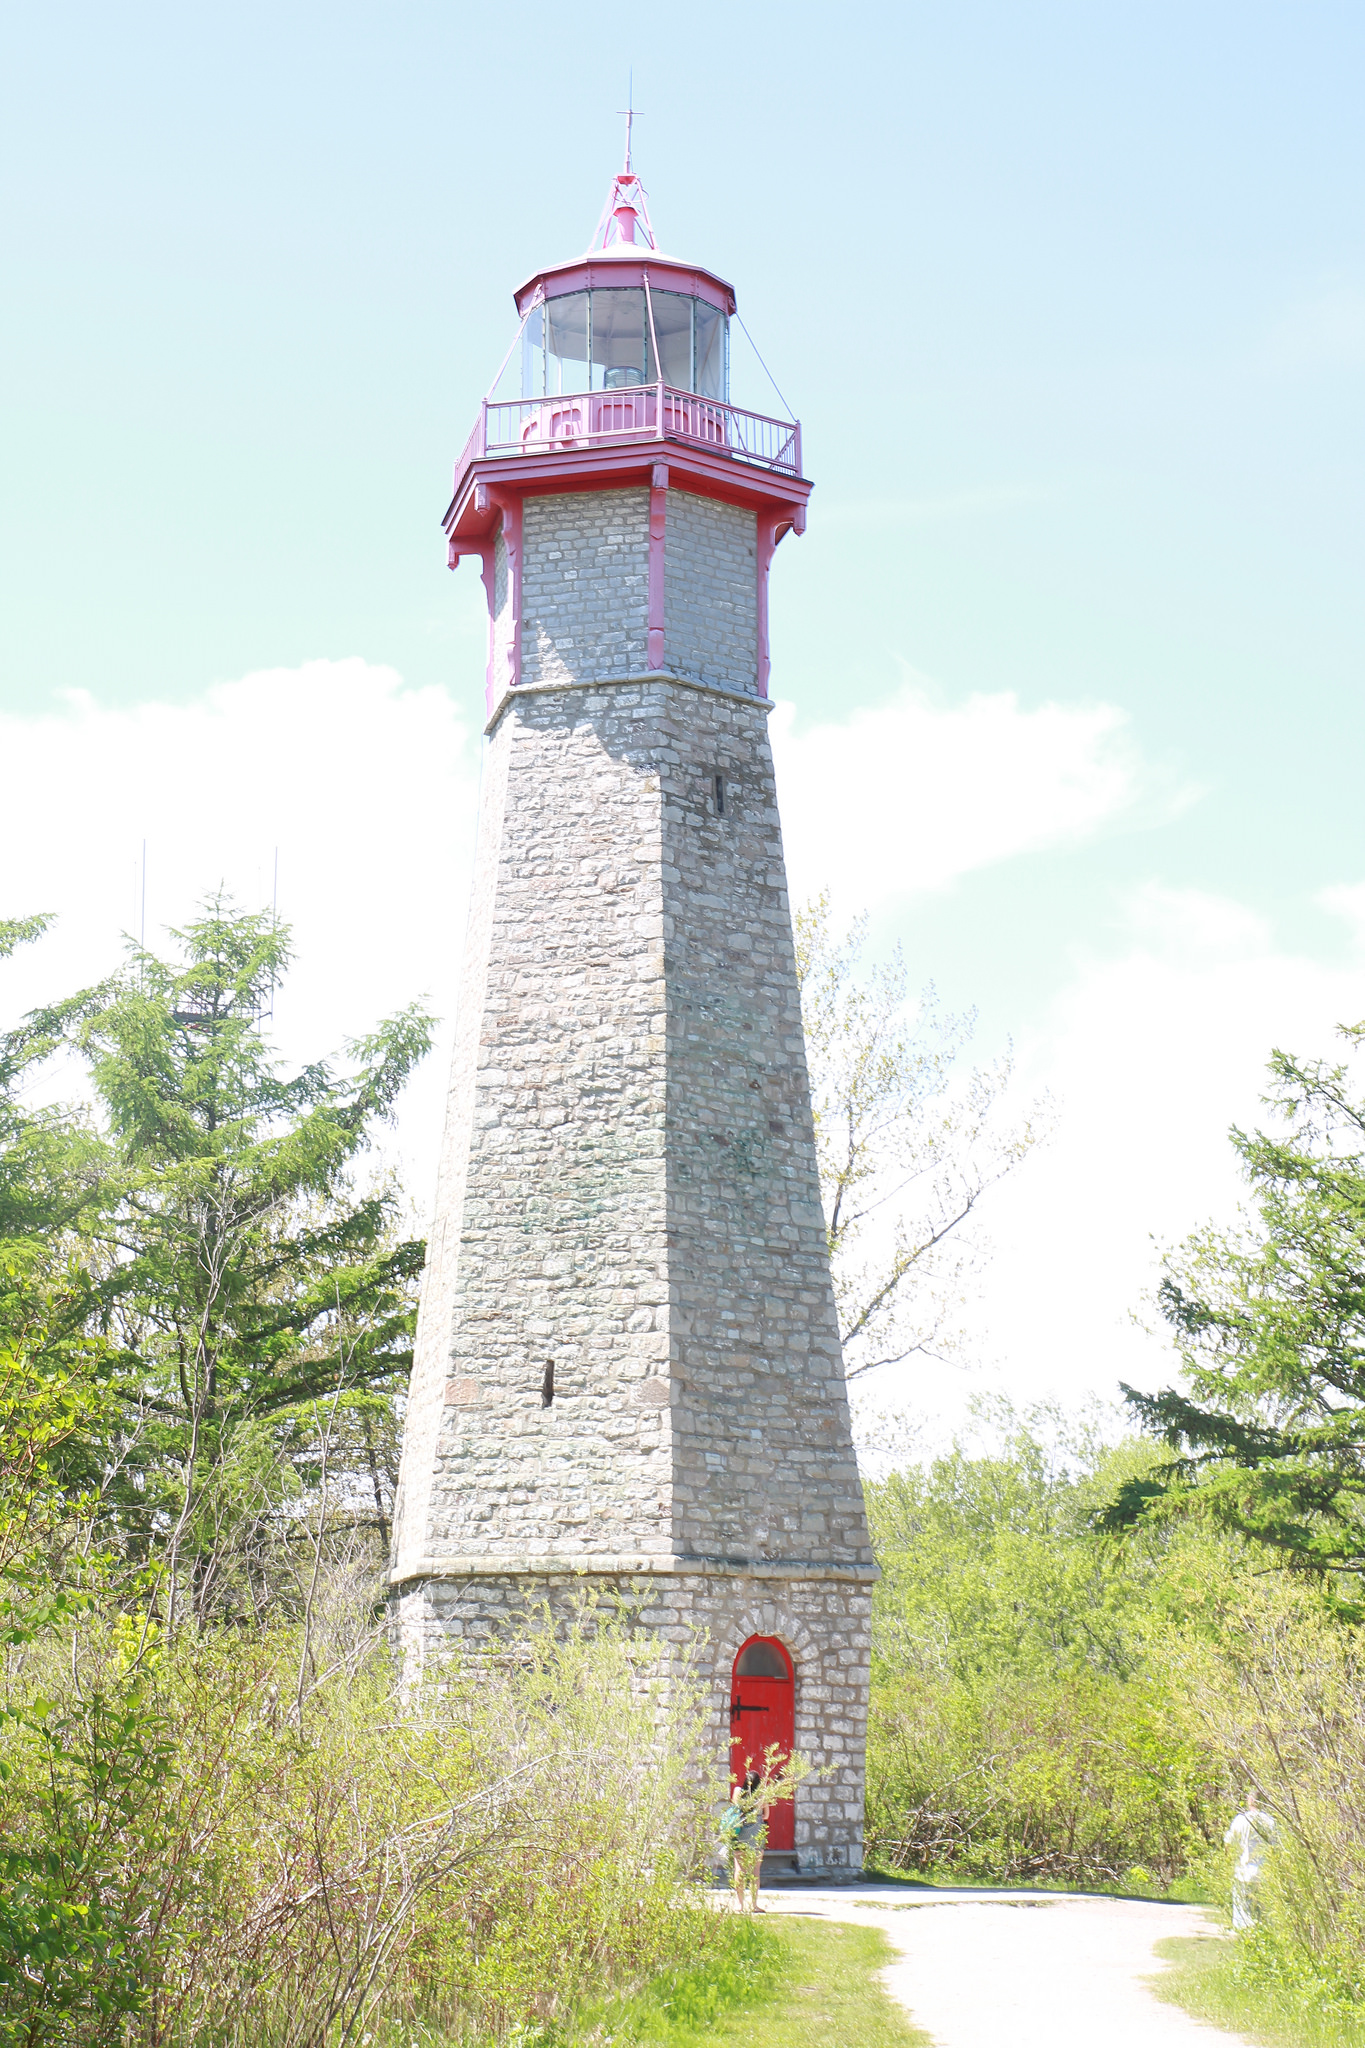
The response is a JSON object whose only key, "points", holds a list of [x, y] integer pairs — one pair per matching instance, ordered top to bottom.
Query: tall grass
{"points": [[1273, 1684], [192, 1860], [787, 1982], [1253, 1986]]}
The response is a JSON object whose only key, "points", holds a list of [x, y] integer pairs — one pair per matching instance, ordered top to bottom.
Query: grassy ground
{"points": [[1212, 1981], [791, 1983]]}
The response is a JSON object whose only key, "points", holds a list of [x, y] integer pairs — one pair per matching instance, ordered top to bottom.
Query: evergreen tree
{"points": [[50, 1162], [242, 1275], [1269, 1323], [55, 1398]]}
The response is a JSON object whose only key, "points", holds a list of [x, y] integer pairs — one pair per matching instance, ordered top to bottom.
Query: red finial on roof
{"points": [[625, 218]]}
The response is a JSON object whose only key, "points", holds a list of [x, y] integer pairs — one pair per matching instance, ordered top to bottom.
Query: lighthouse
{"points": [[627, 1378]]}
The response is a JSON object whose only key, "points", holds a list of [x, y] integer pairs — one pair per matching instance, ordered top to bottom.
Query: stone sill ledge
{"points": [[653, 675], [674, 1566]]}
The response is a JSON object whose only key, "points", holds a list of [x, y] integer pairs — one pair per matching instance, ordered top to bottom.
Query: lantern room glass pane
{"points": [[673, 326], [711, 338], [618, 339], [600, 340], [566, 343], [533, 354]]}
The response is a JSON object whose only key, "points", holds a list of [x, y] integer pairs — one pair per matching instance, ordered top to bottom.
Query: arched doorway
{"points": [[763, 1712]]}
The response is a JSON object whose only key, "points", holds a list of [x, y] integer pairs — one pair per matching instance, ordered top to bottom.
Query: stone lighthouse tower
{"points": [[627, 1372]]}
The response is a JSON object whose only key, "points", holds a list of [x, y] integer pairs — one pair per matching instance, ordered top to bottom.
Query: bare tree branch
{"points": [[906, 1144]]}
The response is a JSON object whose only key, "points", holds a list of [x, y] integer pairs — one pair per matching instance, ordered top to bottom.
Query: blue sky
{"points": [[1071, 301]]}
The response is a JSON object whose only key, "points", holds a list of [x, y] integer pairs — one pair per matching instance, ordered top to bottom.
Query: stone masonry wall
{"points": [[585, 586], [711, 592], [638, 1199], [557, 1250], [436, 1327], [763, 1464], [825, 1626]]}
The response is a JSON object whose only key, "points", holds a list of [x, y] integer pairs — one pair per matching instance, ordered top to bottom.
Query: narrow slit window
{"points": [[720, 796], [547, 1385]]}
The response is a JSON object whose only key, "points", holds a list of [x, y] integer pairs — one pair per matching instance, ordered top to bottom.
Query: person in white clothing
{"points": [[1253, 1834]]}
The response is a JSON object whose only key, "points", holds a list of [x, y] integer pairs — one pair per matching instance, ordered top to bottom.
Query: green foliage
{"points": [[49, 1158], [49, 1180], [234, 1232], [198, 1288], [258, 1308], [1269, 1324], [48, 1393], [53, 1395], [1266, 1665], [1272, 1682], [1050, 1704], [1020, 1728], [243, 1831], [183, 1847], [75, 1910], [788, 1983], [1281, 1997]]}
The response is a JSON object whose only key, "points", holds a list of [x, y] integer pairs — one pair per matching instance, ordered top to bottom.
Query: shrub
{"points": [[1272, 1681], [1020, 1727], [1065, 1780], [202, 1864]]}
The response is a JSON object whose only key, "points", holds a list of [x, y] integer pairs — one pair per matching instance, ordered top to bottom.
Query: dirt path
{"points": [[1016, 1970]]}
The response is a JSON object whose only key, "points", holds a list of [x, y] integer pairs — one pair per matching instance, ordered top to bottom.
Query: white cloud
{"points": [[367, 790], [903, 799], [1347, 901], [1194, 928], [1150, 1054]]}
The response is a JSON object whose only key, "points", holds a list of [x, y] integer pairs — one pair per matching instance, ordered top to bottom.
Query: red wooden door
{"points": [[763, 1712]]}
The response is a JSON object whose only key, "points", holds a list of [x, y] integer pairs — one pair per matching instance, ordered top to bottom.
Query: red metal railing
{"points": [[592, 419]]}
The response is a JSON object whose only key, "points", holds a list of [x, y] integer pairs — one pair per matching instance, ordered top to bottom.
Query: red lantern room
{"points": [[624, 358]]}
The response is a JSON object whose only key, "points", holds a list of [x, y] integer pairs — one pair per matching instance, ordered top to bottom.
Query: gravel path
{"points": [[1020, 1970]]}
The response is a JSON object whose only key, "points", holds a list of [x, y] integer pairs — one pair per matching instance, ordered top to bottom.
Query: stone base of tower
{"points": [[825, 1625]]}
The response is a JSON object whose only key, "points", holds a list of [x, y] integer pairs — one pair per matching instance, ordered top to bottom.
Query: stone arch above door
{"points": [[764, 1618]]}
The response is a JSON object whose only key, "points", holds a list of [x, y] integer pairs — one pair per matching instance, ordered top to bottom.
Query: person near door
{"points": [[744, 1824]]}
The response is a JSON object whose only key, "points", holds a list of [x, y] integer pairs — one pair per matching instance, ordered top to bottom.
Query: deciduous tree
{"points": [[907, 1145]]}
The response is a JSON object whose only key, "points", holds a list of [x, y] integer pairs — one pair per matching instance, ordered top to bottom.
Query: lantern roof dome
{"points": [[623, 249]]}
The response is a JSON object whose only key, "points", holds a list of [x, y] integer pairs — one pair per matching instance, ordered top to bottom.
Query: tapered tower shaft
{"points": [[627, 1373]]}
